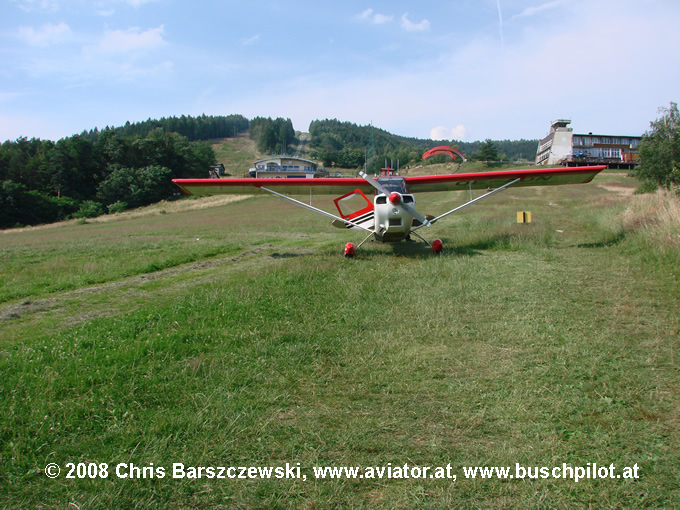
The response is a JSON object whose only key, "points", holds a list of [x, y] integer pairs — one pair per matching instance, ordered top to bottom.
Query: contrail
{"points": [[500, 19]]}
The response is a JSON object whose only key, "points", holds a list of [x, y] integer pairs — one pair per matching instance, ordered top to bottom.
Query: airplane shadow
{"points": [[614, 240], [418, 249]]}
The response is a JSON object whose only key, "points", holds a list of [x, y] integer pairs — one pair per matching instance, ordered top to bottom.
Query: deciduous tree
{"points": [[660, 150]]}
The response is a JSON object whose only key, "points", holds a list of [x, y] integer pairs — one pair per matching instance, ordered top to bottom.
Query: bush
{"points": [[136, 186], [647, 187], [21, 207], [117, 207], [89, 209]]}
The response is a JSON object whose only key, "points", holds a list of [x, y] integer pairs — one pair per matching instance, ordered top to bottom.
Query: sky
{"points": [[460, 69]]}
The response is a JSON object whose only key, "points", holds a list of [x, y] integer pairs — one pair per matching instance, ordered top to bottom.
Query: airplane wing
{"points": [[486, 180], [425, 183], [292, 186]]}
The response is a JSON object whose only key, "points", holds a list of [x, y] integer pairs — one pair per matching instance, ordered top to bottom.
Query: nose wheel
{"points": [[437, 246]]}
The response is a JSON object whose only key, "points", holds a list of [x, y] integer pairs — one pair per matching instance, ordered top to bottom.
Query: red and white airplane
{"points": [[391, 216]]}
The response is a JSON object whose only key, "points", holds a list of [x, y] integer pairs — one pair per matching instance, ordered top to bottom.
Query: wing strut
{"points": [[486, 195], [314, 209]]}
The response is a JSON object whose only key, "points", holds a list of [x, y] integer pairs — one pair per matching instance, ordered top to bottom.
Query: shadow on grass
{"points": [[613, 240], [489, 243], [418, 249], [415, 250], [287, 255]]}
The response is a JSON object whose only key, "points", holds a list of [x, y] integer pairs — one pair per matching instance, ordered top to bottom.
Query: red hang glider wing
{"points": [[445, 150], [485, 180], [293, 186]]}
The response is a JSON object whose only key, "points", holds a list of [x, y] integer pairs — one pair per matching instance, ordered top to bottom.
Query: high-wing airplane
{"points": [[391, 216]]}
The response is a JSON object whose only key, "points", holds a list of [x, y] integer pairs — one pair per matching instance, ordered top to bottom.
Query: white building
{"points": [[563, 147]]}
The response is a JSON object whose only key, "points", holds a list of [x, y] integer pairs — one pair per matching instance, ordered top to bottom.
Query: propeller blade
{"points": [[374, 183], [412, 211]]}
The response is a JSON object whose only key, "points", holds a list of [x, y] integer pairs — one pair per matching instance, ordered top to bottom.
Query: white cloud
{"points": [[138, 3], [37, 5], [374, 17], [410, 26], [46, 35], [125, 41], [444, 133]]}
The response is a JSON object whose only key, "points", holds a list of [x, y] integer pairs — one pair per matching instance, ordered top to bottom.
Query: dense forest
{"points": [[348, 145], [96, 172], [43, 181]]}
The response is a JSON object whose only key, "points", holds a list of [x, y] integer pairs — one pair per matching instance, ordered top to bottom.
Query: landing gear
{"points": [[436, 245]]}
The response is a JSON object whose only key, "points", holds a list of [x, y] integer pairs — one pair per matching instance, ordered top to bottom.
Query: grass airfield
{"points": [[235, 334]]}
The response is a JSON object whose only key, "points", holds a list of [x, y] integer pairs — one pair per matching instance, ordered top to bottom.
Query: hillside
{"points": [[236, 154]]}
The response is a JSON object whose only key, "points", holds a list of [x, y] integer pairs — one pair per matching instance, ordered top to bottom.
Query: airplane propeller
{"points": [[395, 199]]}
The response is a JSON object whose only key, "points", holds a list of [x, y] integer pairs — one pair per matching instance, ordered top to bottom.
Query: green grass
{"points": [[520, 344]]}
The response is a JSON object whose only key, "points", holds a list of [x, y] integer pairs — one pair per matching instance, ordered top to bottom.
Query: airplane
{"points": [[391, 216]]}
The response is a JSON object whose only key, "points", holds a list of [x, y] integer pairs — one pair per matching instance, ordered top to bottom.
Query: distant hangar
{"points": [[286, 166]]}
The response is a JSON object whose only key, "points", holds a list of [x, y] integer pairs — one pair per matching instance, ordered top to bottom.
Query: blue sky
{"points": [[463, 69]]}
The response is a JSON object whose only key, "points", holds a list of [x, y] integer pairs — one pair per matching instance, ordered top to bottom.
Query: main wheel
{"points": [[350, 250]]}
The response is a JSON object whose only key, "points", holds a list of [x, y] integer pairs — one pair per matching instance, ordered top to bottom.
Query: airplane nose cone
{"points": [[395, 198]]}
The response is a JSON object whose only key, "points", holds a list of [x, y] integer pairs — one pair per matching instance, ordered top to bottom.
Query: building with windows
{"points": [[563, 147], [286, 166]]}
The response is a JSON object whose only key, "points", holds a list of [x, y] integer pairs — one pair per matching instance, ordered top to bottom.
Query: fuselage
{"points": [[392, 221]]}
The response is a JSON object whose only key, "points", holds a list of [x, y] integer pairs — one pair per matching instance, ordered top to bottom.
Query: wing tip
{"points": [[182, 188]]}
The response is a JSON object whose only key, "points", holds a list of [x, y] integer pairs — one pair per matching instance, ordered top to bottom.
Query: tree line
{"points": [[203, 127], [347, 145], [503, 150], [117, 168], [43, 181]]}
